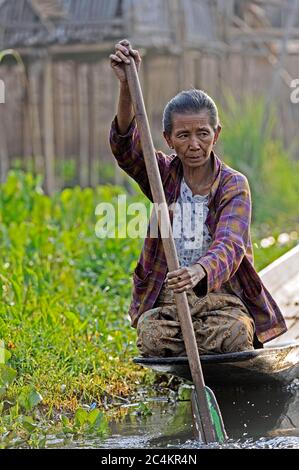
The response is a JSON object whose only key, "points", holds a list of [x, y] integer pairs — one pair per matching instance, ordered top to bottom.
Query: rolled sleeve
{"points": [[122, 145], [128, 153]]}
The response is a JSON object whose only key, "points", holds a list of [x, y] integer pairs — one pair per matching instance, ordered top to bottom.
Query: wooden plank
{"points": [[276, 3], [262, 33], [187, 70], [232, 81], [210, 82], [68, 84], [163, 84], [82, 95], [70, 98], [95, 100], [106, 101], [17, 109], [59, 111], [35, 116], [27, 123], [76, 124], [66, 136], [49, 151], [4, 158], [281, 270], [281, 278]]}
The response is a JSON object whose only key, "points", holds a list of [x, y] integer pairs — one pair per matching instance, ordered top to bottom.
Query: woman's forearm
{"points": [[125, 111]]}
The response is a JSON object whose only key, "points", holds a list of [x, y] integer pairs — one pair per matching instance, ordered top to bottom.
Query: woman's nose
{"points": [[194, 143]]}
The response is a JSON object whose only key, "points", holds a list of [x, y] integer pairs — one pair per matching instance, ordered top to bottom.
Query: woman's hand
{"points": [[121, 56], [185, 278]]}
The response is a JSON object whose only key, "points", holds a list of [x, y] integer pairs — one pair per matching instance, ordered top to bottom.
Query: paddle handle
{"points": [[169, 245]]}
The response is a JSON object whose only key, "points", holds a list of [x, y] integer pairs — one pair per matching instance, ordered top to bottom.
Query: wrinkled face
{"points": [[192, 138]]}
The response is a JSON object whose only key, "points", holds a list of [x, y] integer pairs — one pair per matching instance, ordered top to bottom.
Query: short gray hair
{"points": [[190, 101]]}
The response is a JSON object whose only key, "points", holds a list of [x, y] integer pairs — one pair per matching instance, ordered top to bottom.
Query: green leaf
{"points": [[7, 355], [7, 375], [184, 392], [29, 398], [144, 409], [94, 416], [81, 417], [65, 420], [28, 423], [42, 442]]}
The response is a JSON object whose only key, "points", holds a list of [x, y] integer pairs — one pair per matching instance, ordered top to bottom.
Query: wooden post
{"points": [[82, 96], [96, 100], [59, 111], [34, 116], [27, 123], [76, 124], [49, 151], [4, 160]]}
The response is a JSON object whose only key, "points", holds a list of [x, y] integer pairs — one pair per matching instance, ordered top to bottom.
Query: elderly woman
{"points": [[230, 307]]}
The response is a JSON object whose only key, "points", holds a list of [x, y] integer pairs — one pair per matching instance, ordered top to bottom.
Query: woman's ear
{"points": [[217, 133], [168, 140]]}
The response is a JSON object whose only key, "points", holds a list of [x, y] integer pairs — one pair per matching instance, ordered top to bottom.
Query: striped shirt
{"points": [[229, 260]]}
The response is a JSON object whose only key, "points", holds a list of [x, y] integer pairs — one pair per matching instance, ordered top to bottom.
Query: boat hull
{"points": [[273, 365]]}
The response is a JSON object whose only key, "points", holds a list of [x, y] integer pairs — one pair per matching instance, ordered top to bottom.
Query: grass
{"points": [[64, 297]]}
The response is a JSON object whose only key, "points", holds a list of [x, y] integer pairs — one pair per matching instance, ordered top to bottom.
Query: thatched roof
{"points": [[48, 9], [44, 22], [198, 23]]}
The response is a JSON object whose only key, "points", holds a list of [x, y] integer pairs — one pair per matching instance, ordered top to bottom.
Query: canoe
{"points": [[277, 363], [262, 366]]}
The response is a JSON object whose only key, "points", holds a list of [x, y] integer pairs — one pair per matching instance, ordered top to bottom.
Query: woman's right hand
{"points": [[121, 56]]}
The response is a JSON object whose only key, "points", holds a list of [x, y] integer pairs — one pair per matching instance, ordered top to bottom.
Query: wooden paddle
{"points": [[205, 408]]}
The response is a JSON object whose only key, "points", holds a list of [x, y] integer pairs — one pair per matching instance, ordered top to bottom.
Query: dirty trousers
{"points": [[222, 324]]}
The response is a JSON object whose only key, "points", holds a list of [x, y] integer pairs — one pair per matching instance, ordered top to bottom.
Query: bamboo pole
{"points": [[169, 248]]}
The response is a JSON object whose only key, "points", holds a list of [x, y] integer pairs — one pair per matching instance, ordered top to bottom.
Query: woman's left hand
{"points": [[185, 278]]}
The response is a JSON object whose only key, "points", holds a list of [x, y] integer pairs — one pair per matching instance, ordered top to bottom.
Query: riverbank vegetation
{"points": [[67, 344]]}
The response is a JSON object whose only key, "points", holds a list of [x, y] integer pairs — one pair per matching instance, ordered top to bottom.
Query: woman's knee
{"points": [[239, 336], [158, 337]]}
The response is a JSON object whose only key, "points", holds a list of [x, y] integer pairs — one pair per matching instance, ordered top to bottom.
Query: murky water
{"points": [[254, 418]]}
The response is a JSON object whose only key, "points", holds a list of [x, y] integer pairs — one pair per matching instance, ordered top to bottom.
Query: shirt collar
{"points": [[217, 166], [176, 168]]}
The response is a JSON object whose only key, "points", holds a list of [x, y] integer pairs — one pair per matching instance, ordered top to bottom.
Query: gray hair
{"points": [[190, 101]]}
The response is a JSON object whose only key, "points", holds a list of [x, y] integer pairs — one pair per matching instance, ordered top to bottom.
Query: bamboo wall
{"points": [[59, 113]]}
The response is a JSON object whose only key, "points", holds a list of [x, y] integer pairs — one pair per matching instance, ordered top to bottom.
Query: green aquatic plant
{"points": [[64, 298]]}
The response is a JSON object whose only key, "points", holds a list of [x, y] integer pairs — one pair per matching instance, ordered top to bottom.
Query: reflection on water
{"points": [[257, 412], [254, 418]]}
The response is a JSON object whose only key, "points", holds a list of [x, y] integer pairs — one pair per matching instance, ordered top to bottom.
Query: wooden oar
{"points": [[204, 403]]}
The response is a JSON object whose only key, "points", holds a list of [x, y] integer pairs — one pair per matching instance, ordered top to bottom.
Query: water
{"points": [[254, 418]]}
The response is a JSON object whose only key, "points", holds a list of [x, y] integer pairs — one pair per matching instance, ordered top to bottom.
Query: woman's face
{"points": [[192, 138]]}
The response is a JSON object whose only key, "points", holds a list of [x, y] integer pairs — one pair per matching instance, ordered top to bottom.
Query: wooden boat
{"points": [[277, 363]]}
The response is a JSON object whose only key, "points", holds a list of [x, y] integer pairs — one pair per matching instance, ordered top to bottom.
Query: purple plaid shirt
{"points": [[229, 259]]}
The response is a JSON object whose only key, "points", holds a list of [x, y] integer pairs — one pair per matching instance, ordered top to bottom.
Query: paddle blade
{"points": [[216, 417]]}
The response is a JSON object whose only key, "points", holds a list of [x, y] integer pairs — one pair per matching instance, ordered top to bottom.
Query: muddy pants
{"points": [[221, 321]]}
